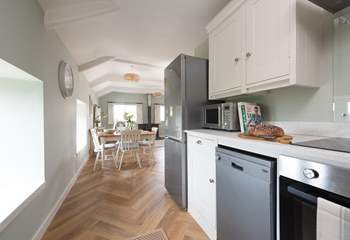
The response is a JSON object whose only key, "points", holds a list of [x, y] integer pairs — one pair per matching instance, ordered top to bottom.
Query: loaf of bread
{"points": [[265, 130]]}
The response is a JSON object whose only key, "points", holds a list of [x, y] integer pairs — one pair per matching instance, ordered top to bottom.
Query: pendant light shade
{"points": [[132, 77], [157, 94]]}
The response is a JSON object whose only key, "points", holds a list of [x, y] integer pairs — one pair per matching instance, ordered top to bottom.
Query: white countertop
{"points": [[273, 149]]}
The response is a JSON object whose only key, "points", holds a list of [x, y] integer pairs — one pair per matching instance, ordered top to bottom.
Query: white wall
{"points": [[26, 43]]}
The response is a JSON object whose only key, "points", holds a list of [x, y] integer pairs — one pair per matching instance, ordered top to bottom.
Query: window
{"points": [[119, 111], [116, 112], [159, 113], [162, 113], [81, 134], [22, 173]]}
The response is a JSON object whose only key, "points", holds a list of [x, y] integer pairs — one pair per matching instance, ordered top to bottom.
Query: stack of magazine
{"points": [[249, 116]]}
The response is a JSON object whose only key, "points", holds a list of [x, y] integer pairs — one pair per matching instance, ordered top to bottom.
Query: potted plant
{"points": [[129, 120]]}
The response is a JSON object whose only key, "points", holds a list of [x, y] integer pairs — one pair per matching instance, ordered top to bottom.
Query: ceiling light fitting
{"points": [[132, 77], [157, 94]]}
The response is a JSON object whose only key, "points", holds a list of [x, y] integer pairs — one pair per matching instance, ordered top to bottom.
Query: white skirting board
{"points": [[42, 229]]}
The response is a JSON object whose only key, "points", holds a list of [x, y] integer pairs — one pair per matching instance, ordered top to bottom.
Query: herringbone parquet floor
{"points": [[112, 205]]}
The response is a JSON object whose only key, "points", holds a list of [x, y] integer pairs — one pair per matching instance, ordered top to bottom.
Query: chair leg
{"points": [[152, 150], [113, 154], [117, 157], [103, 158], [138, 159], [96, 160], [121, 160]]}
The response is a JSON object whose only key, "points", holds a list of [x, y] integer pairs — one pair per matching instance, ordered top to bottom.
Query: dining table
{"points": [[114, 136]]}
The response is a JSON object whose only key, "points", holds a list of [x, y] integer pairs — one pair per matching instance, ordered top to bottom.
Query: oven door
{"points": [[213, 116], [299, 196], [298, 209]]}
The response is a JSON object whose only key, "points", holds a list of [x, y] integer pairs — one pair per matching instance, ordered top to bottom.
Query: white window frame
{"points": [[21, 106], [138, 113], [81, 125]]}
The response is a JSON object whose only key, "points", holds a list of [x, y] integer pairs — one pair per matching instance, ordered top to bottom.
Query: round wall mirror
{"points": [[65, 79]]}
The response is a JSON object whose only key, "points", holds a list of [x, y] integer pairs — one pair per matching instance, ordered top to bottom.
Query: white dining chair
{"points": [[129, 143], [147, 144], [100, 149]]}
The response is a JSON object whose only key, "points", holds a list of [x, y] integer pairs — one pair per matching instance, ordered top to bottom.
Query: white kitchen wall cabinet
{"points": [[258, 45], [267, 46], [226, 48], [202, 182]]}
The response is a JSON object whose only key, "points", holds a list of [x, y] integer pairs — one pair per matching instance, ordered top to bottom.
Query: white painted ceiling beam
{"points": [[77, 11], [101, 60], [94, 63], [118, 79], [126, 84], [127, 90]]}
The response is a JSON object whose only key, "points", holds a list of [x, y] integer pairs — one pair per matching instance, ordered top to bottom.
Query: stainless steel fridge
{"points": [[186, 92]]}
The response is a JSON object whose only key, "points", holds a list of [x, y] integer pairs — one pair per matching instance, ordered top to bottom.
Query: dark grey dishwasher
{"points": [[246, 193]]}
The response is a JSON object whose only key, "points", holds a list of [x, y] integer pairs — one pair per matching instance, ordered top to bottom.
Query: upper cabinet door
{"points": [[268, 40], [226, 55]]}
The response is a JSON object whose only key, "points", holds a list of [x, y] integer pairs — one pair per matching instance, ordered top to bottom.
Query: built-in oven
{"points": [[313, 202]]}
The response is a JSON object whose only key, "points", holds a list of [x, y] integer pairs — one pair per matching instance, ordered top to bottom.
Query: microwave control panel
{"points": [[227, 116]]}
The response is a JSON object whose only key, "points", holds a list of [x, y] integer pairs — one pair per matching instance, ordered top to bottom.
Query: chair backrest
{"points": [[121, 129], [130, 139], [95, 140]]}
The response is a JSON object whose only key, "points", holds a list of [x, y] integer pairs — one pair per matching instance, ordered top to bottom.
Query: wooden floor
{"points": [[112, 205]]}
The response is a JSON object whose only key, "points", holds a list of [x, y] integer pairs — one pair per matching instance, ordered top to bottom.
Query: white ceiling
{"points": [[106, 37]]}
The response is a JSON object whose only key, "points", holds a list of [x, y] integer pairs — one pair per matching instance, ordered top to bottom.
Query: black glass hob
{"points": [[333, 144]]}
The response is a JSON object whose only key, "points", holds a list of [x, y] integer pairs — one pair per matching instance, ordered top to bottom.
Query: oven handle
{"points": [[300, 194]]}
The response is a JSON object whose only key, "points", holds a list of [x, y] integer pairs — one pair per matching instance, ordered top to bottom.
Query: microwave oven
{"points": [[223, 116]]}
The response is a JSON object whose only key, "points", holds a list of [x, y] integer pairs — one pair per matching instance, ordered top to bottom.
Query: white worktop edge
{"points": [[272, 149]]}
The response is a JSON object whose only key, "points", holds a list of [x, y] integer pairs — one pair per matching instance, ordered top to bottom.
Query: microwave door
{"points": [[213, 116]]}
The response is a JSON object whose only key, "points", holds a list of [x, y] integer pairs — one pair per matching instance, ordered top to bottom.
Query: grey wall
{"points": [[26, 43], [202, 50], [342, 57], [127, 98], [290, 104], [295, 104]]}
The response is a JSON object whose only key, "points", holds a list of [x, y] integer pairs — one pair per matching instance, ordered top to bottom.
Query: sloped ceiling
{"points": [[111, 37]]}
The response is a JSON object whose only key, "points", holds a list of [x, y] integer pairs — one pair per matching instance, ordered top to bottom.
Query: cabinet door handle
{"points": [[249, 54], [237, 60], [199, 142], [211, 180]]}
